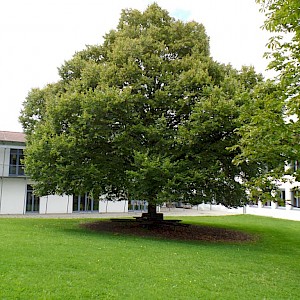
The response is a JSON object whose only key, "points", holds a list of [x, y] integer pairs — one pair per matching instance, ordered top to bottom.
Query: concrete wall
{"points": [[12, 195], [54, 204], [113, 206], [259, 210], [281, 213]]}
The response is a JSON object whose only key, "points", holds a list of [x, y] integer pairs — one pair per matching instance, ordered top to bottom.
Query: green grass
{"points": [[56, 259]]}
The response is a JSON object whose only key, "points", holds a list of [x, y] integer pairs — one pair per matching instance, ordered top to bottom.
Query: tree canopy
{"points": [[148, 114]]}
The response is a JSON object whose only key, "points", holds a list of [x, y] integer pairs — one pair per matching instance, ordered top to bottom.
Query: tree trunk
{"points": [[152, 210], [152, 213]]}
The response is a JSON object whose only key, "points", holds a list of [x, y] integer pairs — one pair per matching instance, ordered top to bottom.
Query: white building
{"points": [[16, 191], [17, 196]]}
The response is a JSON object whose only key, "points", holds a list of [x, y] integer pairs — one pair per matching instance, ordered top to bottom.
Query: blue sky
{"points": [[181, 14], [37, 36]]}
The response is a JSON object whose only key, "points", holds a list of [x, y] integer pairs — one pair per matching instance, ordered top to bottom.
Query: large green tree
{"points": [[147, 115]]}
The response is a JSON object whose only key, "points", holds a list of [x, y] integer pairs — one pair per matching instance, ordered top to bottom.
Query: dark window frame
{"points": [[16, 167], [32, 201], [85, 203]]}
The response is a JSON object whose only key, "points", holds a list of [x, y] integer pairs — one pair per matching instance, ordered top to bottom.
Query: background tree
{"points": [[282, 19], [147, 115], [270, 131]]}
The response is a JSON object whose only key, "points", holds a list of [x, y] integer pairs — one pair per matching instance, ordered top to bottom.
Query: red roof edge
{"points": [[10, 136]]}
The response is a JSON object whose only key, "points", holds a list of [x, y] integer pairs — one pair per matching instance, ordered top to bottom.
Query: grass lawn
{"points": [[57, 259]]}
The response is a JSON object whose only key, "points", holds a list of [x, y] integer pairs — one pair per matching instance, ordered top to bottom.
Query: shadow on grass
{"points": [[162, 232]]}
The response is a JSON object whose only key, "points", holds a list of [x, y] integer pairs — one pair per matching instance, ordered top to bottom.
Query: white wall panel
{"points": [[12, 195], [54, 204], [113, 206]]}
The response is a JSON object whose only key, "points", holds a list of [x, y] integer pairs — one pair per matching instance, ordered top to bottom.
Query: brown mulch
{"points": [[169, 232]]}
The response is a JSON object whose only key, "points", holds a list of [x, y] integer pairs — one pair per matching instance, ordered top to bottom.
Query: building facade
{"points": [[16, 189], [17, 194]]}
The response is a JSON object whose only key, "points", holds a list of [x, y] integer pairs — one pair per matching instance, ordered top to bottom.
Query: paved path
{"points": [[172, 212]]}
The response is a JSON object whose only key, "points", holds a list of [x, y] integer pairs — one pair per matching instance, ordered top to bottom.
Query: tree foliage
{"points": [[282, 19], [147, 114], [270, 130]]}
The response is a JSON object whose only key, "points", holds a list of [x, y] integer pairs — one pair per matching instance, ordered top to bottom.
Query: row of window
{"points": [[16, 166], [80, 203], [85, 203]]}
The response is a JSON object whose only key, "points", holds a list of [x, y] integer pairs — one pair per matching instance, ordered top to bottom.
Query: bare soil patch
{"points": [[181, 232]]}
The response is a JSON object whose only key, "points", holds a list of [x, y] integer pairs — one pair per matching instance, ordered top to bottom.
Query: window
{"points": [[296, 165], [16, 166], [296, 200], [32, 201], [281, 201], [84, 203], [137, 205]]}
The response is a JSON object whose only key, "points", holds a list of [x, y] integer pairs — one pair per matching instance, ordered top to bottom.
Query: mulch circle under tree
{"points": [[180, 232]]}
